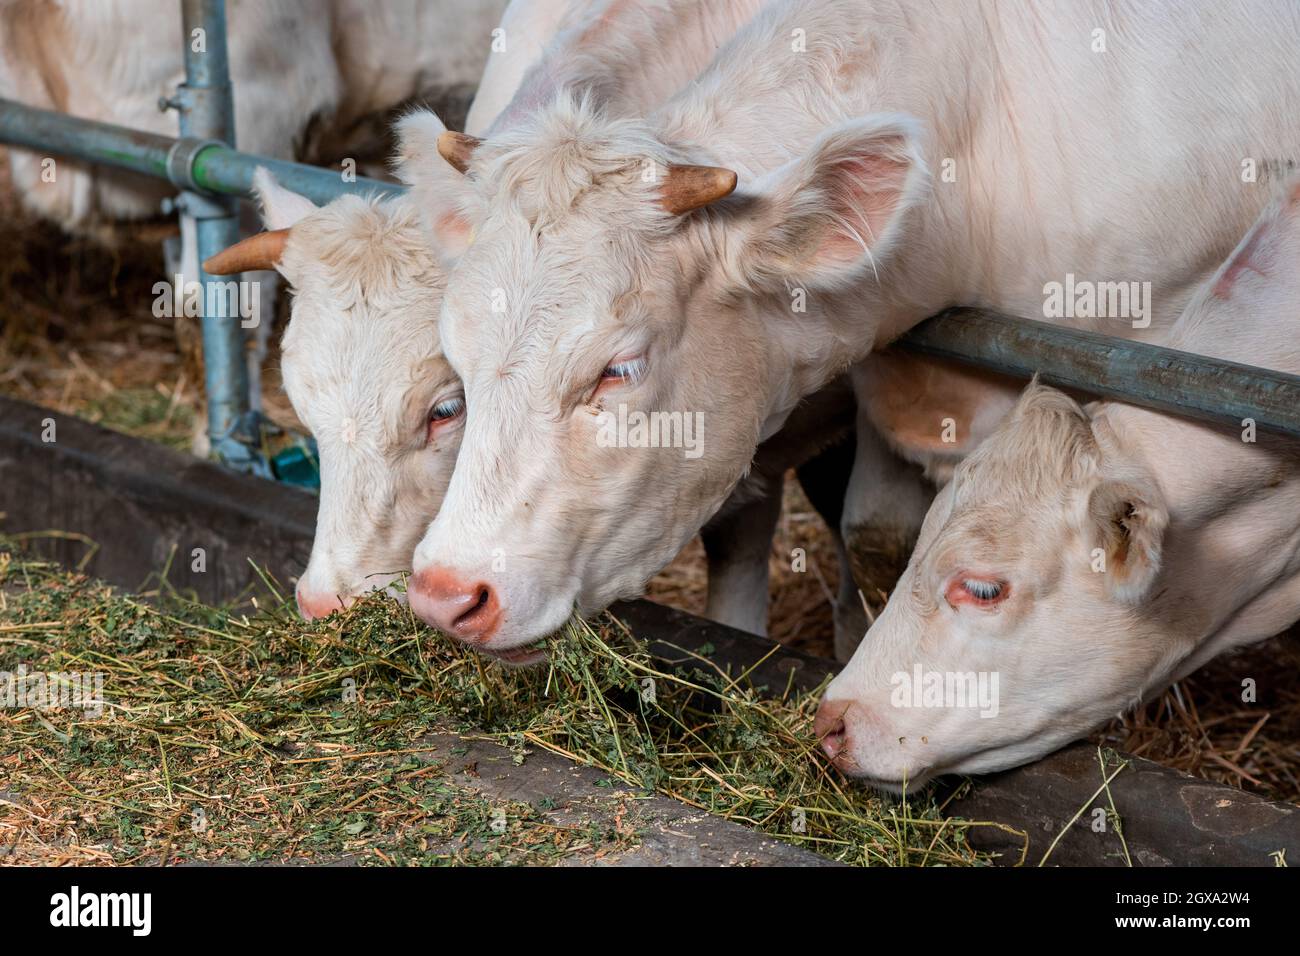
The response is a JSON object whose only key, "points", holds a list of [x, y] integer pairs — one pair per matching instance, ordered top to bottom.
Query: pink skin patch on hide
{"points": [[452, 226], [1243, 261], [1239, 264]]}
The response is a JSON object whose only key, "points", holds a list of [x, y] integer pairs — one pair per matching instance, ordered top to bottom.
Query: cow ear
{"points": [[441, 192], [281, 208], [830, 216], [1128, 527]]}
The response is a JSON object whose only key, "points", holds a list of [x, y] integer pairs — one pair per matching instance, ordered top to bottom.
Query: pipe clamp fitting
{"points": [[180, 161]]}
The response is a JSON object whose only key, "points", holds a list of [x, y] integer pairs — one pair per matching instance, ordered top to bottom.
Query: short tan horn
{"points": [[456, 148], [690, 187], [262, 251]]}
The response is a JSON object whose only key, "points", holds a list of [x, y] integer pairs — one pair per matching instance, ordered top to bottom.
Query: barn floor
{"points": [[79, 336]]}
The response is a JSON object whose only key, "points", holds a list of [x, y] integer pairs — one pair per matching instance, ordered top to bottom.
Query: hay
{"points": [[243, 715]]}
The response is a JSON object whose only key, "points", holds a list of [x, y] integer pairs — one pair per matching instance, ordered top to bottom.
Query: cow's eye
{"points": [[624, 370], [445, 412], [981, 592]]}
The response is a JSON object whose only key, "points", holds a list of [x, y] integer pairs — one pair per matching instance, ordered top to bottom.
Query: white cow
{"points": [[599, 271], [362, 362], [362, 366], [1086, 556]]}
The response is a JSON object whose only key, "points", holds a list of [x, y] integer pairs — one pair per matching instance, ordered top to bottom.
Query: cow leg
{"points": [[181, 255], [883, 510], [738, 543]]}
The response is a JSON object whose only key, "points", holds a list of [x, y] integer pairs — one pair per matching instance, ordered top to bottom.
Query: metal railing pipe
{"points": [[210, 167], [1166, 379], [1209, 389]]}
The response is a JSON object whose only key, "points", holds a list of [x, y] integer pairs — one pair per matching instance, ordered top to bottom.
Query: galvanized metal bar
{"points": [[207, 65], [206, 108], [46, 132], [211, 168], [229, 171], [1196, 386]]}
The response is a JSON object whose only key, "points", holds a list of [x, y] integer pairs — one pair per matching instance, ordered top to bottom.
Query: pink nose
{"points": [[312, 606], [467, 610], [830, 729]]}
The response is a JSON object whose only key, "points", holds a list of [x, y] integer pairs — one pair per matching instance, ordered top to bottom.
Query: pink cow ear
{"points": [[439, 188], [830, 217], [1128, 524]]}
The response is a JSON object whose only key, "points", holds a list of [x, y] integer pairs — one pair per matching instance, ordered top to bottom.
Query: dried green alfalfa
{"points": [[258, 691], [697, 734], [712, 741]]}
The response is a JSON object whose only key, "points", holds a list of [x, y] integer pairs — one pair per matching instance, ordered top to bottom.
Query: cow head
{"points": [[609, 298], [364, 370], [1042, 576], [1013, 626]]}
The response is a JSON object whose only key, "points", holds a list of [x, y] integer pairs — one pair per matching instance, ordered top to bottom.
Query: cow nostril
{"points": [[484, 597], [313, 606], [468, 612], [829, 726], [833, 739]]}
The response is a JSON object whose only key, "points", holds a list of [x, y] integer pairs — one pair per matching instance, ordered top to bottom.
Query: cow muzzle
{"points": [[313, 605], [464, 608], [860, 745]]}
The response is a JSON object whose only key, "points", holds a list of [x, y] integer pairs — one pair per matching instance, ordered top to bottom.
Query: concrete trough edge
{"points": [[145, 505]]}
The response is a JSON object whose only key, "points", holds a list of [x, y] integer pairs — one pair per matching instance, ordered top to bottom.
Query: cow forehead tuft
{"points": [[569, 159], [363, 253]]}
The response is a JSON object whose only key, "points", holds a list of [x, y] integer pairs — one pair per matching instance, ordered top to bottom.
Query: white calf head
{"points": [[586, 304], [364, 370], [1016, 615]]}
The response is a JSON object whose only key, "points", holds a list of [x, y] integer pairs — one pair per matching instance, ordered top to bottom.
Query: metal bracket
{"points": [[179, 101], [180, 164], [196, 205]]}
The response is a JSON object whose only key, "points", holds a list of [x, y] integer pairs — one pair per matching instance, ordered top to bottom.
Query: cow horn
{"points": [[456, 148], [690, 187], [262, 251]]}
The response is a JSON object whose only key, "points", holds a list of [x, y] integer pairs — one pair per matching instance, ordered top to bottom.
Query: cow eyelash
{"points": [[624, 370], [446, 410], [981, 590]]}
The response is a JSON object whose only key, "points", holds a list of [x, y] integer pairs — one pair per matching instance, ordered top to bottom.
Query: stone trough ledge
{"points": [[1167, 818], [669, 833]]}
